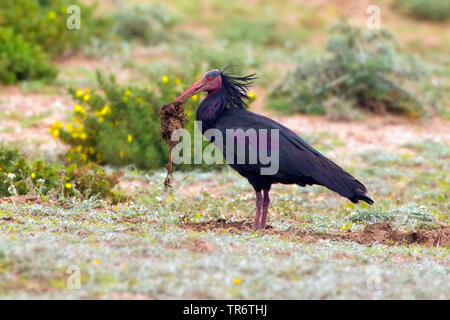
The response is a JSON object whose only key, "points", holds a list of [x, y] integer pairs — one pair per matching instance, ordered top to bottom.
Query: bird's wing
{"points": [[294, 152], [298, 161]]}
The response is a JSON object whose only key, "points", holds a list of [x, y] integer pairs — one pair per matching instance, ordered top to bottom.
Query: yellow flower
{"points": [[63, 10], [52, 15], [165, 79], [177, 80], [87, 90], [128, 92], [79, 93], [251, 95], [86, 97], [194, 97], [125, 99], [139, 100], [79, 109], [105, 110], [101, 119], [57, 125], [69, 128], [55, 133], [75, 135], [83, 136], [130, 138], [79, 148], [91, 150], [122, 154], [84, 157], [33, 175], [68, 185], [343, 227], [96, 261], [123, 265], [237, 281]]}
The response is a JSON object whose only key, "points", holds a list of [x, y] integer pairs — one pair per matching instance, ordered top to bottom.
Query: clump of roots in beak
{"points": [[172, 118]]}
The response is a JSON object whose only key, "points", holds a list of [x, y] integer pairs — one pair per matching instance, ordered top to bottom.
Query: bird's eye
{"points": [[209, 78]]}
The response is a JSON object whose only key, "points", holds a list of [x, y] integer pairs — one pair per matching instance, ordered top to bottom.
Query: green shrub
{"points": [[436, 10], [146, 22], [43, 23], [263, 31], [19, 60], [358, 65], [338, 109], [117, 125], [19, 177], [370, 215]]}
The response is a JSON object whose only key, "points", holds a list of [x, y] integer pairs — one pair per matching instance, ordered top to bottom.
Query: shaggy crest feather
{"points": [[234, 89]]}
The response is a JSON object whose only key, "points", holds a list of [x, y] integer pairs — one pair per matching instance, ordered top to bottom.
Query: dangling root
{"points": [[172, 118], [169, 177]]}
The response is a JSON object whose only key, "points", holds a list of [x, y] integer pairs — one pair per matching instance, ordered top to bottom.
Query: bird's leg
{"points": [[259, 203], [265, 209]]}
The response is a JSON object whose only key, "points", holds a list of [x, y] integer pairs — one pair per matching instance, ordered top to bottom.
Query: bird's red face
{"points": [[210, 82]]}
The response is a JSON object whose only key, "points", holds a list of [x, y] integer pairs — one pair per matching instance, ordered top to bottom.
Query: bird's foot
{"points": [[258, 226]]}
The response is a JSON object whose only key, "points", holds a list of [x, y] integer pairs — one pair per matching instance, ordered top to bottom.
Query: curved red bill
{"points": [[195, 88]]}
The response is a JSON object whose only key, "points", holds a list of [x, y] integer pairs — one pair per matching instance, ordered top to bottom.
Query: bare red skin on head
{"points": [[204, 84], [216, 85]]}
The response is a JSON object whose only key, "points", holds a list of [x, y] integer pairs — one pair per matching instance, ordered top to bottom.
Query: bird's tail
{"points": [[335, 178], [360, 196]]}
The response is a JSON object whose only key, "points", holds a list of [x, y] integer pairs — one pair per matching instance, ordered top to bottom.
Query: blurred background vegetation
{"points": [[131, 57]]}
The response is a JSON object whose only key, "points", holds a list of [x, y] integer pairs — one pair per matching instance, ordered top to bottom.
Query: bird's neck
{"points": [[212, 92], [210, 108]]}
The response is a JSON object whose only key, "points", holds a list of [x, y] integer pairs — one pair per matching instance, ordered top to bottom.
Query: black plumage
{"points": [[299, 163]]}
